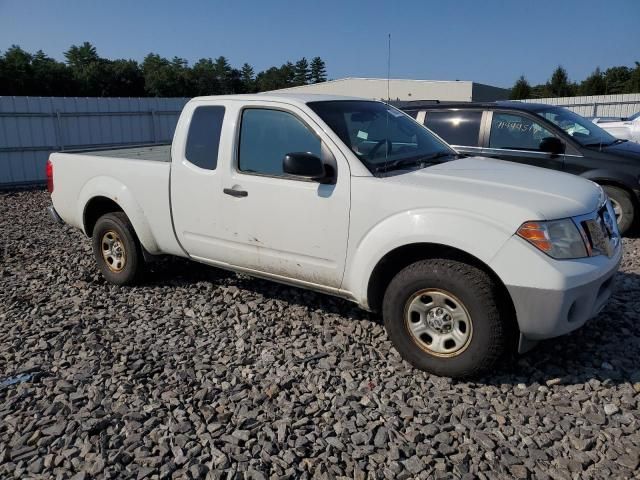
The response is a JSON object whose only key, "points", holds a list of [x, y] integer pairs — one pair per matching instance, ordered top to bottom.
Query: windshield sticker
{"points": [[395, 113], [362, 135]]}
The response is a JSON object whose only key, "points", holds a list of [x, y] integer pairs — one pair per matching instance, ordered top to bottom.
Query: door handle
{"points": [[235, 193]]}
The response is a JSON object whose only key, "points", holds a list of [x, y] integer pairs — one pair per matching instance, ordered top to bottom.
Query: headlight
{"points": [[558, 238]]}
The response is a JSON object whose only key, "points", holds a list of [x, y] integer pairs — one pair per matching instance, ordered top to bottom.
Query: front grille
{"points": [[602, 232]]}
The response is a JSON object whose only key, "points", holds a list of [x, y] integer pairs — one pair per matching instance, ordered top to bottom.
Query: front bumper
{"points": [[553, 297]]}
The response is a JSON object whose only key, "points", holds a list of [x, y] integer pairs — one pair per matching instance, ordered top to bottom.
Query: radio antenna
{"points": [[388, 69]]}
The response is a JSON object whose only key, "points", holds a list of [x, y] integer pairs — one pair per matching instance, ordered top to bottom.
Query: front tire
{"points": [[623, 207], [116, 249], [443, 316]]}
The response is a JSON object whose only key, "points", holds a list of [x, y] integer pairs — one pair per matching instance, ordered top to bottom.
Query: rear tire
{"points": [[623, 206], [116, 249], [443, 317]]}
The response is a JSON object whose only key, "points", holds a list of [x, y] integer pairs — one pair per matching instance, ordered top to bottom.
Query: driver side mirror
{"points": [[552, 145], [305, 165]]}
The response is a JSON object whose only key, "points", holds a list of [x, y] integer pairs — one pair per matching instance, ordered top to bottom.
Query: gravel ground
{"points": [[204, 374]]}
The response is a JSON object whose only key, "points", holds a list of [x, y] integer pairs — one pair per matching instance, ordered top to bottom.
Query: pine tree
{"points": [[318, 70], [223, 74], [302, 75], [247, 77], [594, 84], [633, 84], [559, 85], [521, 89]]}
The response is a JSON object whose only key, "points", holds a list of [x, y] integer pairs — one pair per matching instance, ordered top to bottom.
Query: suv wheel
{"points": [[623, 207], [443, 317]]}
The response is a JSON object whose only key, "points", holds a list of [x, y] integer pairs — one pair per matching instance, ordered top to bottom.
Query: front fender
{"points": [[602, 175], [118, 192], [476, 235]]}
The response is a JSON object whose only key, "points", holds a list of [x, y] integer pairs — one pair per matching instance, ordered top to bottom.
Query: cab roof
{"points": [[295, 98], [503, 105]]}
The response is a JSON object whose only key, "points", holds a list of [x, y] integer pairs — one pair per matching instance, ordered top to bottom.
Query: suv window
{"points": [[456, 127], [518, 132], [266, 136], [203, 138]]}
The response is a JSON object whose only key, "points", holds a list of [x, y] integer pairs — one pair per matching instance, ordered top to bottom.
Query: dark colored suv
{"points": [[545, 136]]}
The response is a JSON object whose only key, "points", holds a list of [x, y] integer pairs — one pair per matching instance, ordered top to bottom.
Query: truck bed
{"points": [[156, 153], [135, 178]]}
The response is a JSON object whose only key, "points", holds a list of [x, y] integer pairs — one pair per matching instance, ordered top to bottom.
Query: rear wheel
{"points": [[622, 205], [116, 249], [443, 317]]}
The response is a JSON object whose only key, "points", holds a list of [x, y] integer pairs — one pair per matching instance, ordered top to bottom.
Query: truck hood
{"points": [[628, 150], [510, 193]]}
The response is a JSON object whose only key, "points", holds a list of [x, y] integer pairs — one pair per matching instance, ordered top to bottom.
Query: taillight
{"points": [[49, 176]]}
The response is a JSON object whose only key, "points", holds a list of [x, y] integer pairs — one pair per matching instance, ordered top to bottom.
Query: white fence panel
{"points": [[622, 105], [33, 127]]}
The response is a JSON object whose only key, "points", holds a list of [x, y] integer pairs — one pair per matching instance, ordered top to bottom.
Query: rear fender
{"points": [[118, 192]]}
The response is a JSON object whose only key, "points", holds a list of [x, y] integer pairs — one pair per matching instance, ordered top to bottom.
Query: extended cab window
{"points": [[456, 127], [517, 132], [266, 136], [203, 138]]}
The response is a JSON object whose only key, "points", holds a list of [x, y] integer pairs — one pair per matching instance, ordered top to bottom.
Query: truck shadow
{"points": [[605, 349]]}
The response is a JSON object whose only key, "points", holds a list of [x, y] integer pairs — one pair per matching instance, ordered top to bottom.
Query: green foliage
{"points": [[318, 70], [85, 73], [302, 74], [248, 78], [616, 79], [613, 80], [594, 84], [633, 84], [559, 85], [521, 89]]}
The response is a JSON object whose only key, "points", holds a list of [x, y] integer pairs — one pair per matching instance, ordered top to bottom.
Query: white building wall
{"points": [[399, 89]]}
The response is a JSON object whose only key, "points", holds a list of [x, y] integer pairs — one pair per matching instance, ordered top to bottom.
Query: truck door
{"points": [[197, 202], [283, 225]]}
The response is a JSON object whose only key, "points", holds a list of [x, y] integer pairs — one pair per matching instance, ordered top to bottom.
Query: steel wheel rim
{"points": [[617, 209], [113, 251], [438, 322]]}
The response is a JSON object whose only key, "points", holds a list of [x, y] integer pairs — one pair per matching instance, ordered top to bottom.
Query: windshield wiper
{"points": [[606, 144], [409, 162]]}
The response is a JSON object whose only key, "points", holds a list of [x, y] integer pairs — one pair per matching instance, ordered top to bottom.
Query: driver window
{"points": [[517, 132], [266, 136]]}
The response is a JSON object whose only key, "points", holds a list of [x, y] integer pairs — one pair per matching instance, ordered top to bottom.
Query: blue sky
{"points": [[487, 41]]}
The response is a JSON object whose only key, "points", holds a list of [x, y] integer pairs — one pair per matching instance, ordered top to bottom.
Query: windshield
{"points": [[634, 116], [586, 133], [381, 136]]}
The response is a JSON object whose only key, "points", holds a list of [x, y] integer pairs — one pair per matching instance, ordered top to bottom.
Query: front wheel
{"points": [[622, 206], [116, 249], [443, 317]]}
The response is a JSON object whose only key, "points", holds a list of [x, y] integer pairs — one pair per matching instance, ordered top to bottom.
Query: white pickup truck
{"points": [[354, 198]]}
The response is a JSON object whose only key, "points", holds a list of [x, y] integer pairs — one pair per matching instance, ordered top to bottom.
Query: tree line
{"points": [[86, 74], [613, 80]]}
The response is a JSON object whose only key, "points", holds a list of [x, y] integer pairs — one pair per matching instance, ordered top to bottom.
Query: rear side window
{"points": [[456, 127], [266, 136], [203, 138]]}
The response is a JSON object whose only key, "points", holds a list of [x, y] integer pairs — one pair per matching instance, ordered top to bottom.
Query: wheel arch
{"points": [[615, 179], [98, 197], [94, 209], [399, 258]]}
